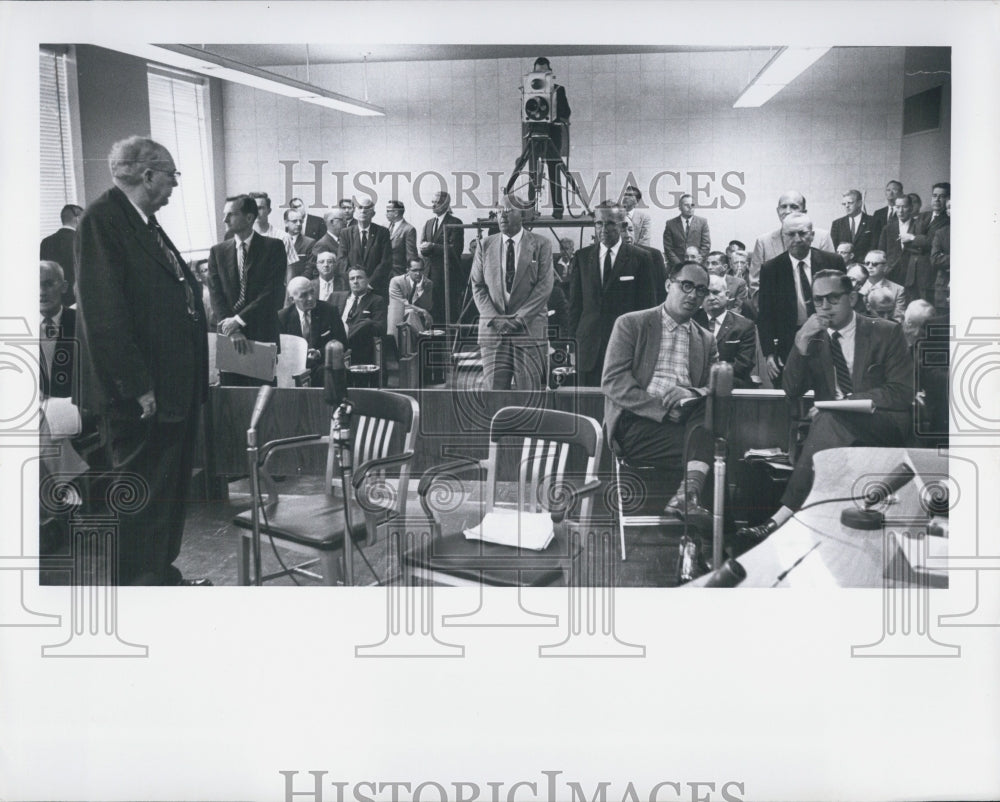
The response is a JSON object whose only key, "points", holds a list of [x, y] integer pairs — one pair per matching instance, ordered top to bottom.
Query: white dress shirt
{"points": [[603, 255]]}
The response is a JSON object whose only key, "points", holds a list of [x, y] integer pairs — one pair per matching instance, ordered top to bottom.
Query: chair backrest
{"points": [[291, 360], [213, 370], [384, 424], [547, 440]]}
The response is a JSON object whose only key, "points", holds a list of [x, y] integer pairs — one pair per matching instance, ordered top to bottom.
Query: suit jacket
{"points": [[880, 218], [314, 227], [932, 227], [642, 228], [674, 241], [863, 242], [770, 245], [404, 247], [58, 248], [941, 249], [377, 260], [434, 261], [909, 264], [304, 265], [659, 273], [401, 290], [265, 292], [739, 294], [898, 294], [529, 296], [777, 302], [594, 307], [557, 311], [367, 323], [324, 325], [137, 334], [736, 340], [631, 360], [882, 370], [57, 380]]}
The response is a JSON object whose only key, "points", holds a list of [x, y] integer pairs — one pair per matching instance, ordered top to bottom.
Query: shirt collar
{"points": [[516, 238], [239, 241], [614, 249], [807, 259], [720, 317], [56, 318], [669, 324], [848, 330]]}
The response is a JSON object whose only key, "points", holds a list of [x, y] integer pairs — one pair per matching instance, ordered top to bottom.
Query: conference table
{"points": [[815, 550]]}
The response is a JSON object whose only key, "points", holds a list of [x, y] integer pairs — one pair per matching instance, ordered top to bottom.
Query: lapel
{"points": [[864, 226], [143, 234], [624, 257], [524, 261], [494, 278], [727, 324], [862, 348], [696, 356]]}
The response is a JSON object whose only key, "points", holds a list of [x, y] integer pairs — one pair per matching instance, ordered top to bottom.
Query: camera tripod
{"points": [[539, 150]]}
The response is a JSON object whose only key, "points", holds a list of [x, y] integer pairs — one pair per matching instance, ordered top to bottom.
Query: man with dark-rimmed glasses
{"points": [[839, 354], [657, 361]]}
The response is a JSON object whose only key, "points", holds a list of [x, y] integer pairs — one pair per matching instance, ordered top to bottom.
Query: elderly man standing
{"points": [[773, 244], [432, 247], [609, 278], [511, 281], [785, 299], [145, 356]]}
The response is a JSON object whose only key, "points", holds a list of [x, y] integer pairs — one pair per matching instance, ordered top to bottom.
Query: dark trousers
{"points": [[837, 430], [645, 442], [152, 462]]}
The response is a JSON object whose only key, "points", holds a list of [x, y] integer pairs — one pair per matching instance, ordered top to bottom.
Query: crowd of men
{"points": [[836, 311]]}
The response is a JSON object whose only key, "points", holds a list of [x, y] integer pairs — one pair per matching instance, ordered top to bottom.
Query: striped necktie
{"points": [[174, 261], [840, 365]]}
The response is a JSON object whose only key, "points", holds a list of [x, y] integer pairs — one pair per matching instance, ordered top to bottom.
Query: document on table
{"points": [[528, 530]]}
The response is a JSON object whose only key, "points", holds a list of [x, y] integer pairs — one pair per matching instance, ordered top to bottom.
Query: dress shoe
{"points": [[694, 511], [757, 533], [196, 583]]}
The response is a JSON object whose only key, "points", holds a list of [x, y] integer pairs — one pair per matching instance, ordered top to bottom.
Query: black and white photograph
{"points": [[457, 353]]}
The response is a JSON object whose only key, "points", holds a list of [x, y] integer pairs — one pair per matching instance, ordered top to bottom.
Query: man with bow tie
{"points": [[511, 281], [411, 298], [363, 314], [315, 321], [144, 355]]}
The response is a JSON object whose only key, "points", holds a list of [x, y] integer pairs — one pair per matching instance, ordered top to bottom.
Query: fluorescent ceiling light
{"points": [[201, 61], [786, 65]]}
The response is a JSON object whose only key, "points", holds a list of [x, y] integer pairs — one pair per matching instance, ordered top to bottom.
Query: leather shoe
{"points": [[694, 511], [757, 533], [196, 583]]}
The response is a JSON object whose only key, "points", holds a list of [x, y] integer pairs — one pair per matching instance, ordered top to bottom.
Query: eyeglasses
{"points": [[176, 174], [873, 264], [687, 287], [830, 299]]}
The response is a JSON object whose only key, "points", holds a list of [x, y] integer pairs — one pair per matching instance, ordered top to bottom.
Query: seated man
{"points": [[876, 264], [859, 277], [330, 278], [736, 288], [411, 297], [880, 303], [363, 313], [315, 321], [927, 332], [735, 336], [839, 354], [656, 360]]}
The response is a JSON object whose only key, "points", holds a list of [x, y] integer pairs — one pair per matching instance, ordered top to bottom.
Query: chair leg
{"points": [[621, 508], [243, 560], [333, 567]]}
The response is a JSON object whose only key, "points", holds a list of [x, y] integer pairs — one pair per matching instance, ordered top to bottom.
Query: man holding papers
{"points": [[849, 358]]}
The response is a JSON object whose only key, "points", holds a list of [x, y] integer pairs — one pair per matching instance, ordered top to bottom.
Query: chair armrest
{"points": [[286, 443], [377, 464], [453, 467], [571, 497]]}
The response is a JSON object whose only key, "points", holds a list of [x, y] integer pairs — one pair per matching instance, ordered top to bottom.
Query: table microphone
{"points": [[334, 374], [720, 390], [868, 518], [728, 576]]}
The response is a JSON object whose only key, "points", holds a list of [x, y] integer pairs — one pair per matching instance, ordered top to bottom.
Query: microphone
{"points": [[334, 374], [720, 390], [263, 399], [874, 496]]}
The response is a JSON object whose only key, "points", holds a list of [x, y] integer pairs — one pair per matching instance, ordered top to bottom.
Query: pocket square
{"points": [[626, 278], [325, 333], [733, 342]]}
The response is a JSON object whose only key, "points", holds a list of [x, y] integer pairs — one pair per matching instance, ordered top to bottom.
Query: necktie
{"points": [[685, 228], [392, 229], [434, 229], [852, 229], [364, 243], [174, 262], [608, 267], [508, 275], [326, 287], [413, 291], [807, 295], [242, 298], [354, 307], [715, 325], [306, 326], [48, 344], [840, 365]]}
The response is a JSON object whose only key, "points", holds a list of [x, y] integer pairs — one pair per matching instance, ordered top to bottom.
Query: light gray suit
{"points": [[642, 227], [403, 240], [675, 242], [520, 355]]}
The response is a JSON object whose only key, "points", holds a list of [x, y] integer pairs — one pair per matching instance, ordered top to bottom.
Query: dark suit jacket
{"points": [[879, 220], [674, 241], [863, 242], [58, 247], [941, 248], [377, 260], [434, 260], [306, 265], [908, 265], [659, 272], [265, 293], [777, 303], [594, 307], [558, 313], [133, 318], [367, 323], [325, 325], [736, 340], [631, 360], [882, 370], [58, 381]]}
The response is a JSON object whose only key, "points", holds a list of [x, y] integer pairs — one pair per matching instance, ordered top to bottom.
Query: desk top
{"points": [[833, 555]]}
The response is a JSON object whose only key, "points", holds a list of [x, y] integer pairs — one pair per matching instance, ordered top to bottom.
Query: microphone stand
{"points": [[263, 396], [345, 460], [718, 501]]}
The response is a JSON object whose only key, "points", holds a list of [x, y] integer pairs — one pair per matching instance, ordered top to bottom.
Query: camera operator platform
{"points": [[545, 126]]}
